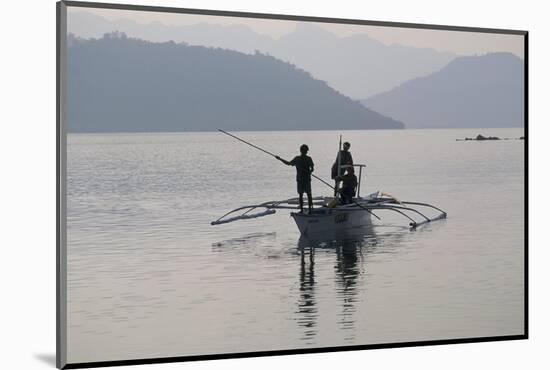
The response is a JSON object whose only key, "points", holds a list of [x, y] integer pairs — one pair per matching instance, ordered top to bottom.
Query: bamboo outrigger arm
{"points": [[425, 205], [244, 216], [413, 224]]}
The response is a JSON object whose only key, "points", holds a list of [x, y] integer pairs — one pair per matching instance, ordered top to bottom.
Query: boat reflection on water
{"points": [[350, 251], [331, 273], [307, 306]]}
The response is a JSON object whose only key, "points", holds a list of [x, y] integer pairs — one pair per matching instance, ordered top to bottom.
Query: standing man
{"points": [[346, 160], [304, 168]]}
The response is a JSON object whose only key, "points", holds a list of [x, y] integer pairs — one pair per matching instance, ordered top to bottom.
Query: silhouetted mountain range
{"points": [[358, 66], [121, 84], [474, 91]]}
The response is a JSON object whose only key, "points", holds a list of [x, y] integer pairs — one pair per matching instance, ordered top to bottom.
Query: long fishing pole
{"points": [[246, 142], [271, 154], [275, 156]]}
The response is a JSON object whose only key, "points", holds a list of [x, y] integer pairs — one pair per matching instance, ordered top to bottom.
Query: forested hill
{"points": [[120, 84]]}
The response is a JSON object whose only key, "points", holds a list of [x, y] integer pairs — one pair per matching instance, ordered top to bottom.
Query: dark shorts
{"points": [[304, 187]]}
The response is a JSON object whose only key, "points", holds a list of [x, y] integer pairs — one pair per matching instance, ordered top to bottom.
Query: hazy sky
{"points": [[464, 43]]}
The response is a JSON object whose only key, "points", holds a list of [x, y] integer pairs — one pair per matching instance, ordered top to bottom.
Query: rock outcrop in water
{"points": [[120, 84], [480, 137]]}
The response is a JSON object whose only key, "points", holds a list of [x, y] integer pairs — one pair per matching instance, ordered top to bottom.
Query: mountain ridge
{"points": [[359, 66], [121, 84], [470, 91]]}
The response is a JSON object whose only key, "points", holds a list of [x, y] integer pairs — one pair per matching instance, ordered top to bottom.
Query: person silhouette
{"points": [[346, 160], [304, 168], [349, 186]]}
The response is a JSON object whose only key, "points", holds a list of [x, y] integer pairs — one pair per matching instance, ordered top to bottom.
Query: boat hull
{"points": [[331, 221]]}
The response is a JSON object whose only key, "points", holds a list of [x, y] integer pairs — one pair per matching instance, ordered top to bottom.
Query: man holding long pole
{"points": [[304, 168]]}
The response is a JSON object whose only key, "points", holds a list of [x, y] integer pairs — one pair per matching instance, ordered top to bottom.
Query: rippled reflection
{"points": [[348, 251], [343, 256], [347, 271], [307, 307]]}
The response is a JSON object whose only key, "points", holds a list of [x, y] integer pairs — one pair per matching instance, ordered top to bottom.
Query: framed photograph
{"points": [[239, 184]]}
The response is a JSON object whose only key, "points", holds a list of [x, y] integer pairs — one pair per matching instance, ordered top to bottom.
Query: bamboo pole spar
{"points": [[336, 183]]}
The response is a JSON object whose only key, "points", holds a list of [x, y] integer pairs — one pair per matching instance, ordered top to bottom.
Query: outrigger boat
{"points": [[328, 215]]}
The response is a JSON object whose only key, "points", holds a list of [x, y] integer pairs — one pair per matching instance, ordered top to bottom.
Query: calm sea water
{"points": [[149, 277]]}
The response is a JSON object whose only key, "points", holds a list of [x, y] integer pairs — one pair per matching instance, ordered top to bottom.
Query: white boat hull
{"points": [[327, 220]]}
